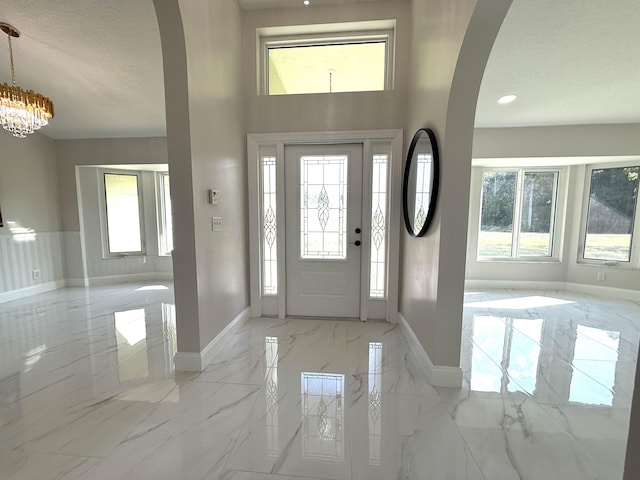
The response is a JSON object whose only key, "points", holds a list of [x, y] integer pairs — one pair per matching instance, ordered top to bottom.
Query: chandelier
{"points": [[22, 112]]}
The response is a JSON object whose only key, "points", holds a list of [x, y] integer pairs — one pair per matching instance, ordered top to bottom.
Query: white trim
{"points": [[272, 38], [341, 136], [395, 173], [104, 222], [365, 228], [281, 232], [255, 270], [130, 278], [514, 285], [620, 293], [11, 295], [196, 362], [437, 375]]}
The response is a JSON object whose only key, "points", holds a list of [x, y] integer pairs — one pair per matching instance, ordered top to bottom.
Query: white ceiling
{"points": [[100, 61], [570, 62]]}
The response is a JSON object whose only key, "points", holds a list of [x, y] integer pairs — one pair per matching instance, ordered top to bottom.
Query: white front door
{"points": [[323, 193]]}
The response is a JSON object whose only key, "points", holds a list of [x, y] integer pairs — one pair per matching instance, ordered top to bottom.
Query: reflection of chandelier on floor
{"points": [[21, 111]]}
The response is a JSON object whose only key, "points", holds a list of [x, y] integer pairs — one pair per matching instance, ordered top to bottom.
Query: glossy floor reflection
{"points": [[88, 391]]}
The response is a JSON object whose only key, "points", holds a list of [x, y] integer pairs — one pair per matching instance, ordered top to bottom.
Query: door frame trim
{"points": [[277, 142]]}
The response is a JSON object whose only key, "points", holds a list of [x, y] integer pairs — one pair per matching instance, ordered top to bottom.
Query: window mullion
{"points": [[554, 213], [517, 215], [635, 230]]}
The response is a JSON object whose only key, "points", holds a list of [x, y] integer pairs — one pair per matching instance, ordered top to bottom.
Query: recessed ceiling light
{"points": [[306, 2], [507, 99]]}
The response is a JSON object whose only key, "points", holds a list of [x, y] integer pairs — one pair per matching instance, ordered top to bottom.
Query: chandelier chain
{"points": [[13, 71]]}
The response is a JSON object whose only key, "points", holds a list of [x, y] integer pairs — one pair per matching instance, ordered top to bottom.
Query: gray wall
{"points": [[451, 41], [202, 52], [29, 200]]}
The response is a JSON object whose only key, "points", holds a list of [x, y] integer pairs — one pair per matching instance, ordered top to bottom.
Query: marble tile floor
{"points": [[88, 391]]}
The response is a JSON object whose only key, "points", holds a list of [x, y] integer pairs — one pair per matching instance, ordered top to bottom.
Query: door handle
{"points": [[356, 243]]}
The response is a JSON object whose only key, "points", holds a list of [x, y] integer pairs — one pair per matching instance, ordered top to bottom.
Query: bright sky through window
{"points": [[350, 67]]}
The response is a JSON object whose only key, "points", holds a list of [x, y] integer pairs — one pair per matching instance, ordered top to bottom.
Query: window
{"points": [[327, 63], [611, 210], [323, 211], [517, 214], [166, 220], [124, 226], [269, 227], [377, 281]]}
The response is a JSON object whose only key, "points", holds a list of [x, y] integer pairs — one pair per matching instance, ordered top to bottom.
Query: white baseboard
{"points": [[130, 278], [75, 282], [514, 285], [34, 290], [619, 293], [197, 361], [438, 375]]}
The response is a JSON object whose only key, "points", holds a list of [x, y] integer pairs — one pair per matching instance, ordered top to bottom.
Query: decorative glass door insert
{"points": [[323, 207]]}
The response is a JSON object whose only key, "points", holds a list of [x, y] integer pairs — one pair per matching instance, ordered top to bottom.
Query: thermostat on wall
{"points": [[214, 196]]}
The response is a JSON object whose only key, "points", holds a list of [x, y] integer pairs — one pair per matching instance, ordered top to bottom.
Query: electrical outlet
{"points": [[216, 224], [35, 274], [601, 276]]}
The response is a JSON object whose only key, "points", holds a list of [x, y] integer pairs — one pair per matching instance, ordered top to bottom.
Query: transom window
{"points": [[327, 63], [517, 214]]}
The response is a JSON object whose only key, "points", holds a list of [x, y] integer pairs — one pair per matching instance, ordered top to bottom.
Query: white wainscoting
{"points": [[22, 253], [58, 256], [74, 265]]}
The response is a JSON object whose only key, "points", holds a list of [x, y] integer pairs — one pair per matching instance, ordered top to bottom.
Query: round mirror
{"points": [[420, 187]]}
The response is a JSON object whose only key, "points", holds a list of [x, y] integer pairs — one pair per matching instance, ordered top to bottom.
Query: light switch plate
{"points": [[216, 224]]}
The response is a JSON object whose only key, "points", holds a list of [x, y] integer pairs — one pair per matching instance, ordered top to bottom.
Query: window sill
{"points": [[116, 256], [551, 260], [602, 264]]}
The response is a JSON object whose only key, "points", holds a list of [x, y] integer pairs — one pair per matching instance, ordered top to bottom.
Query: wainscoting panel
{"points": [[22, 253]]}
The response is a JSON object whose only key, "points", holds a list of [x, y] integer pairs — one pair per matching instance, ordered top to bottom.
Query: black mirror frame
{"points": [[433, 199]]}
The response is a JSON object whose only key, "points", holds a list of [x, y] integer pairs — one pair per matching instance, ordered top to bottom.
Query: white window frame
{"points": [[267, 41], [556, 210], [162, 214], [104, 227], [634, 257]]}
